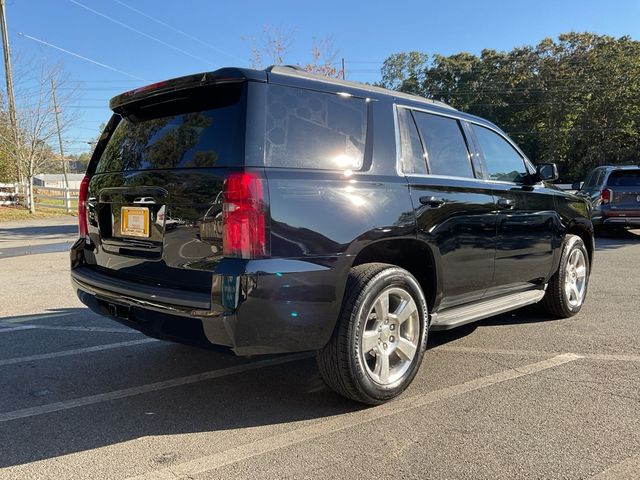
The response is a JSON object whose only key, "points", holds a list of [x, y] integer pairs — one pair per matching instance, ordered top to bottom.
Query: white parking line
{"points": [[39, 316], [70, 328], [13, 329], [77, 351], [610, 357], [150, 387], [342, 422]]}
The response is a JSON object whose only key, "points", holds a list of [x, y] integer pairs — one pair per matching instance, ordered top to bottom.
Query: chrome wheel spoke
{"points": [[573, 259], [581, 271], [568, 288], [575, 292], [381, 306], [404, 311], [369, 341], [406, 349], [381, 369]]}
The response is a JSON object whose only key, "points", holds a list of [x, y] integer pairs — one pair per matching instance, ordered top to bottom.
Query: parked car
{"points": [[614, 195], [319, 215]]}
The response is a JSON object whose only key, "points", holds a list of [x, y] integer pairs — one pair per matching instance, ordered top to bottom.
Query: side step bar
{"points": [[454, 317]]}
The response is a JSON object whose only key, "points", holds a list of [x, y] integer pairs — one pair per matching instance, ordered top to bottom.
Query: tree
{"points": [[275, 44], [405, 72], [574, 100], [29, 149], [7, 169]]}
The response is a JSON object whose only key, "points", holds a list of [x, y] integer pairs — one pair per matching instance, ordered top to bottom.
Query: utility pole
{"points": [[7, 68], [344, 72], [64, 164]]}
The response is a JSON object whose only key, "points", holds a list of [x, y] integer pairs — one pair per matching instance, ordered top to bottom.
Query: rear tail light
{"points": [[606, 196], [244, 216], [83, 230]]}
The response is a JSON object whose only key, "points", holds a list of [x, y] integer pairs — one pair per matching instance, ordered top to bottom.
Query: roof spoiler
{"points": [[222, 75]]}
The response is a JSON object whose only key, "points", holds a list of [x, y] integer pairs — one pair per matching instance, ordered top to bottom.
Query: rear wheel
{"points": [[567, 289], [380, 338]]}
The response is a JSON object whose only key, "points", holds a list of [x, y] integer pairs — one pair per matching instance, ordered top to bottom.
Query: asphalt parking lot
{"points": [[514, 396]]}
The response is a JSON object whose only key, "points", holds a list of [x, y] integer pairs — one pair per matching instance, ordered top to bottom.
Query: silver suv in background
{"points": [[614, 193]]}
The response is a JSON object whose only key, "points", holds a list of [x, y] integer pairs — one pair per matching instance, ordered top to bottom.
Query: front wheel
{"points": [[567, 289], [381, 335]]}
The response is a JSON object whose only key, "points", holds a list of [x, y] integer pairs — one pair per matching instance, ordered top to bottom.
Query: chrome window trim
{"points": [[396, 127], [399, 160], [528, 165]]}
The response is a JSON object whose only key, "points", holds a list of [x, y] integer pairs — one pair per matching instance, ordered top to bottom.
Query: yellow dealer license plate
{"points": [[134, 221]]}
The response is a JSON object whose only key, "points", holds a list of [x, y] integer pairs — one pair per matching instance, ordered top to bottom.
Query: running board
{"points": [[454, 317]]}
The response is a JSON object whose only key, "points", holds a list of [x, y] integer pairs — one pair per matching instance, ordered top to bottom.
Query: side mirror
{"points": [[547, 171], [577, 186]]}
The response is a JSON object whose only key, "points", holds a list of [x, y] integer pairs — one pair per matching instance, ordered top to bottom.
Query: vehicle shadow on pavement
{"points": [[37, 231], [612, 239], [525, 315], [228, 406]]}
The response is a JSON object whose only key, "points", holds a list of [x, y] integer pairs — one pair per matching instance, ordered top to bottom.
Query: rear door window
{"points": [[202, 129], [318, 130], [445, 146], [413, 159], [503, 162], [624, 178]]}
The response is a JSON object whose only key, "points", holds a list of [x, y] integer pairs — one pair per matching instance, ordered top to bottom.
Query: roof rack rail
{"points": [[300, 72]]}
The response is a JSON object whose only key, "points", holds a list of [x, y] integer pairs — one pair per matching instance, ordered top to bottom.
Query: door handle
{"points": [[431, 201], [506, 203]]}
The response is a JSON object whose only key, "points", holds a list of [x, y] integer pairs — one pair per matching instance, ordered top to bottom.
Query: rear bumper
{"points": [[617, 220], [622, 221], [271, 306]]}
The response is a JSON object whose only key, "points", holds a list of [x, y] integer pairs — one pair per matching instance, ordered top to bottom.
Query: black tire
{"points": [[555, 300], [341, 362]]}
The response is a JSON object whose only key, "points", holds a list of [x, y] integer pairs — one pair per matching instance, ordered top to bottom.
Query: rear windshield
{"points": [[200, 128], [308, 129], [624, 178]]}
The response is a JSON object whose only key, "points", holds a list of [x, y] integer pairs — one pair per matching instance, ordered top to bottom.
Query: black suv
{"points": [[614, 194], [277, 211]]}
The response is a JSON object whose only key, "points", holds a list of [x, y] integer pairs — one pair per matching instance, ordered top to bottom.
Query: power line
{"points": [[177, 30], [139, 32], [77, 55]]}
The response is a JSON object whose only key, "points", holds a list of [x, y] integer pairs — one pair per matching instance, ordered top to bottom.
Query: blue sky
{"points": [[214, 34]]}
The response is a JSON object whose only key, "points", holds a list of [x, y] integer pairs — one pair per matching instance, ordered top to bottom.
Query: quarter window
{"points": [[308, 129], [410, 147], [446, 149], [503, 162]]}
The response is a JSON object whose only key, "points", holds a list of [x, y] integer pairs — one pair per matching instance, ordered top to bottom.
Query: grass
{"points": [[43, 202], [11, 213]]}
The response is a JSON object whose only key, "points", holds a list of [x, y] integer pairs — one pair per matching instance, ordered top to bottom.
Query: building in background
{"points": [[56, 180]]}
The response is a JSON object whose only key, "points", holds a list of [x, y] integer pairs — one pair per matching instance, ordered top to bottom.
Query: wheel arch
{"points": [[584, 230], [409, 253]]}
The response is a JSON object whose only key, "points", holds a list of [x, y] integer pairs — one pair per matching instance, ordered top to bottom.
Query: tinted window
{"points": [[307, 129], [199, 130], [446, 150], [413, 160], [503, 162], [624, 178], [593, 180]]}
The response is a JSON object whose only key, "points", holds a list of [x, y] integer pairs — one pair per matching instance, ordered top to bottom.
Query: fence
{"points": [[9, 194], [49, 197]]}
